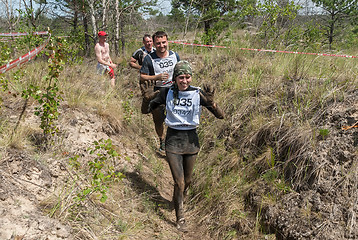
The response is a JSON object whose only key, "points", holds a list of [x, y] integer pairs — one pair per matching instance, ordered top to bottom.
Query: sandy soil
{"points": [[29, 179]]}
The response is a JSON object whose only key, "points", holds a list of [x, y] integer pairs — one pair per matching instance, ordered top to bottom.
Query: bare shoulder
{"points": [[97, 46]]}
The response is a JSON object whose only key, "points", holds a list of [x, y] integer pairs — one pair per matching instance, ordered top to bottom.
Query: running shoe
{"points": [[162, 146], [181, 225]]}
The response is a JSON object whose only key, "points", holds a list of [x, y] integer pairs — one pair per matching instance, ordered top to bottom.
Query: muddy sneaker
{"points": [[162, 146], [181, 225]]}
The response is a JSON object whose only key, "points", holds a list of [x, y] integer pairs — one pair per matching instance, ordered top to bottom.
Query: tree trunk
{"points": [[31, 10], [9, 13], [104, 14], [75, 16], [187, 19], [93, 20], [85, 26], [206, 27], [206, 30], [331, 31], [123, 40], [116, 41]]}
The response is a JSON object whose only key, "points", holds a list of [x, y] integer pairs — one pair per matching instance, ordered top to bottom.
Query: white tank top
{"points": [[161, 65], [185, 114]]}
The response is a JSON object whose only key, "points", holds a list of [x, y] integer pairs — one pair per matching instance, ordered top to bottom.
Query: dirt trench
{"points": [[29, 178], [323, 203]]}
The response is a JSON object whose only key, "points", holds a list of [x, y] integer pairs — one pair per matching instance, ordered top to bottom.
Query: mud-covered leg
{"points": [[176, 166], [188, 166]]}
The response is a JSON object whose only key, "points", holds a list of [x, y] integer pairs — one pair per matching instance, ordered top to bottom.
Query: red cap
{"points": [[102, 33]]}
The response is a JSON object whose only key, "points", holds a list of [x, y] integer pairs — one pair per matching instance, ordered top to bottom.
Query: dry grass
{"points": [[270, 101], [273, 103]]}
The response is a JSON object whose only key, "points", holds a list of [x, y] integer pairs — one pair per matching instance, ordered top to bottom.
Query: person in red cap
{"points": [[105, 64]]}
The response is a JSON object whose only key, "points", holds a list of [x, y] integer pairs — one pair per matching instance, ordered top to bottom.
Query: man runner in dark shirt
{"points": [[136, 60], [159, 66]]}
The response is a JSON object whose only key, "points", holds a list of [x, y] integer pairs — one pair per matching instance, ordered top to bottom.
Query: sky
{"points": [[165, 6]]}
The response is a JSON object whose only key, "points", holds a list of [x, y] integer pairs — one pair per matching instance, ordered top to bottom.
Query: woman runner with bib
{"points": [[183, 108]]}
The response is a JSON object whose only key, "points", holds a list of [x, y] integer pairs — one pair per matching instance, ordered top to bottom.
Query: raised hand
{"points": [[147, 90], [208, 94]]}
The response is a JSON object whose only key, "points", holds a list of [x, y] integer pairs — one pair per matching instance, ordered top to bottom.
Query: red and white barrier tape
{"points": [[15, 34], [199, 45], [266, 50], [307, 53], [25, 58]]}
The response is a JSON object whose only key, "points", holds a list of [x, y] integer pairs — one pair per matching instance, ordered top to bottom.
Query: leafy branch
{"points": [[50, 97], [102, 173]]}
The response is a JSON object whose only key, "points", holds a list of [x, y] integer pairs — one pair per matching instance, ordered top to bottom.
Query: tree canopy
{"points": [[336, 11], [207, 12]]}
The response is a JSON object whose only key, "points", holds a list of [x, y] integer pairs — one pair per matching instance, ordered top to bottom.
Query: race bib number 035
{"points": [[166, 64], [184, 102]]}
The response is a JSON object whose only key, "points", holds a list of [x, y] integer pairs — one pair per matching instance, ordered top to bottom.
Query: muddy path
{"points": [[29, 178]]}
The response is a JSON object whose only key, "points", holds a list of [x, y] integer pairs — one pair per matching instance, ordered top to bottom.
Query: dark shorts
{"points": [[156, 88], [159, 112], [159, 115], [182, 141]]}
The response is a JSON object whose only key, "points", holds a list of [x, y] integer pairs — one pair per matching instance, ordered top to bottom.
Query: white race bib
{"points": [[162, 65], [184, 114]]}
